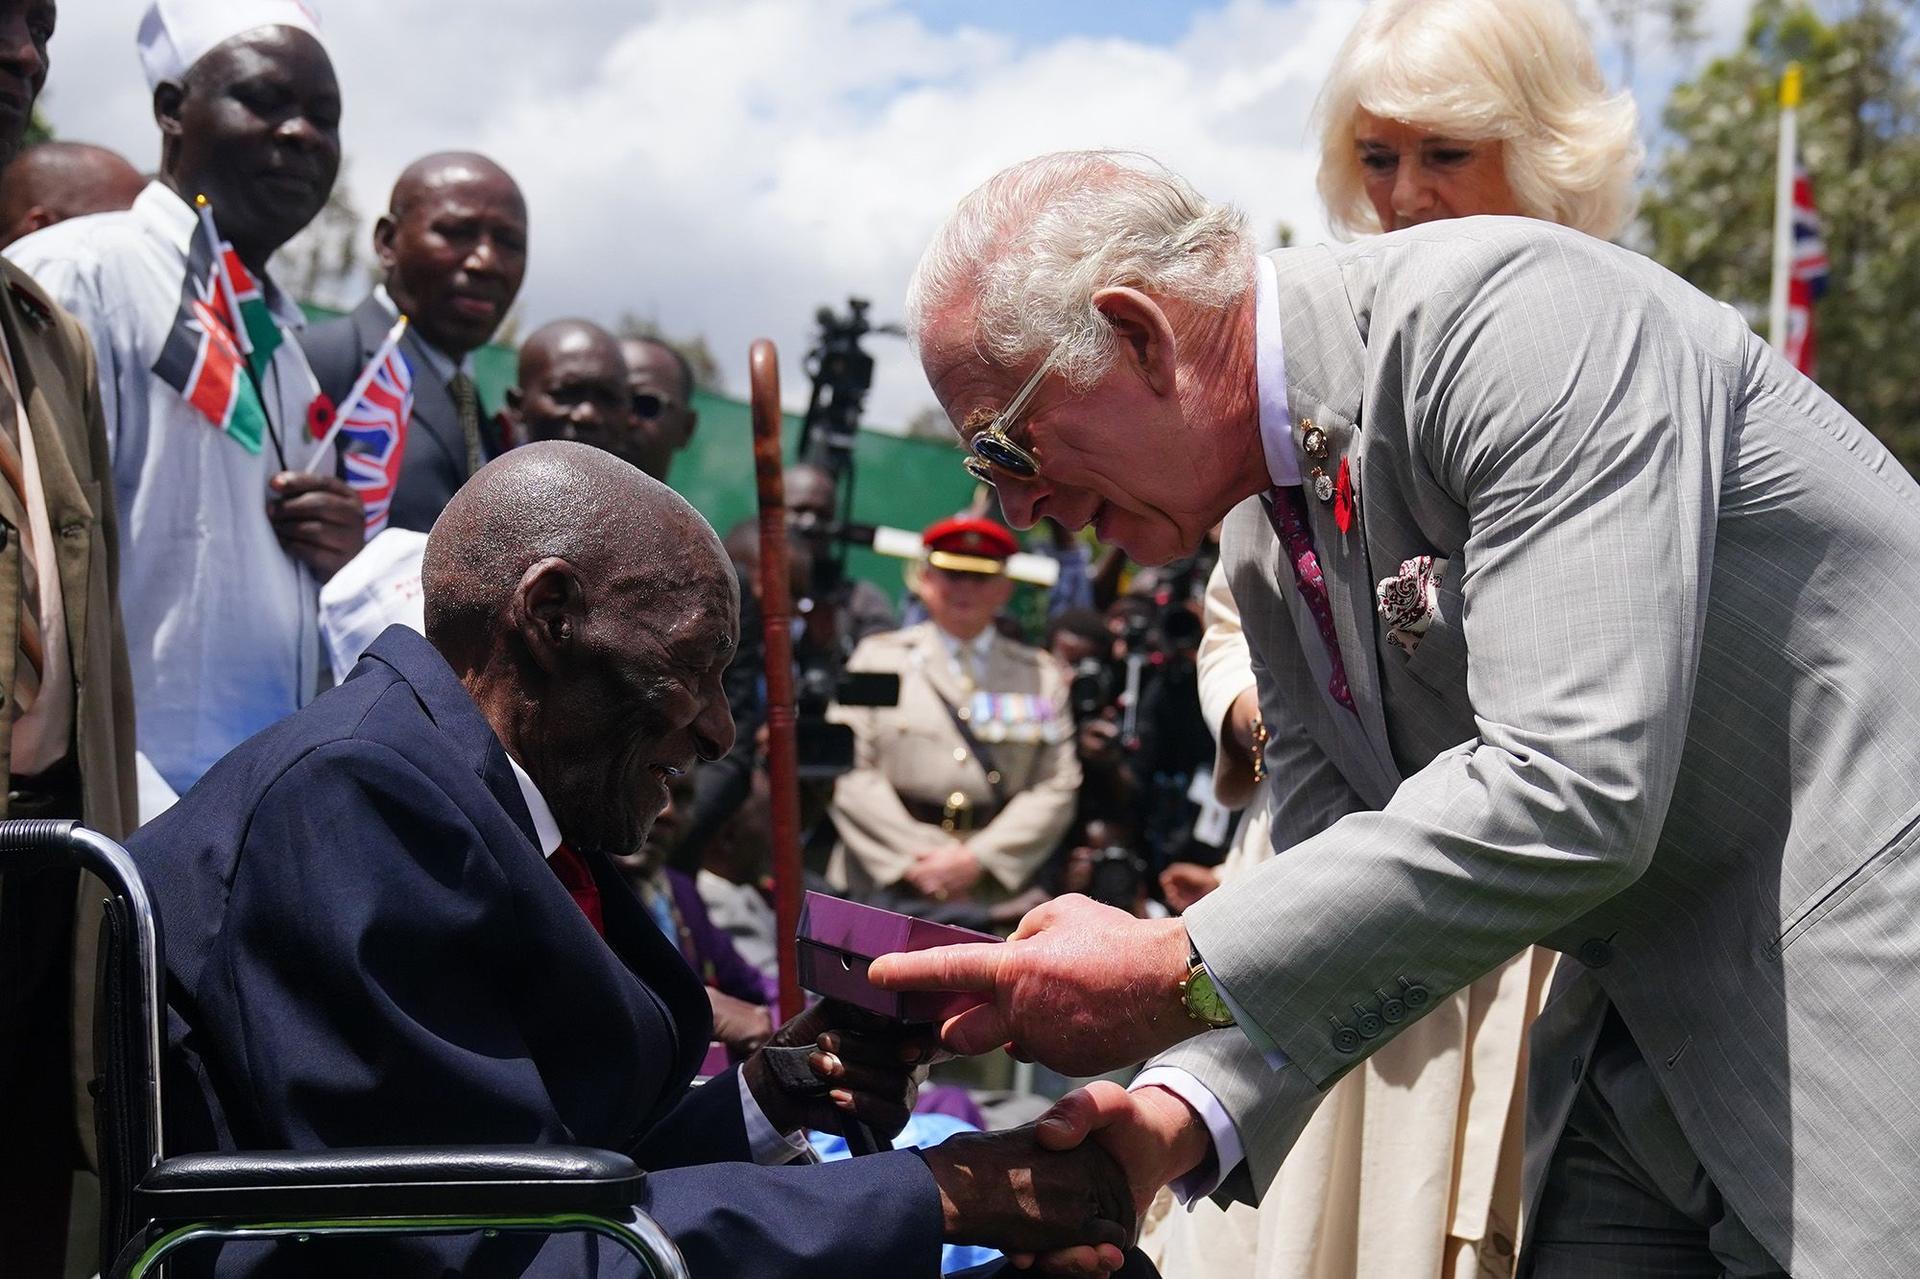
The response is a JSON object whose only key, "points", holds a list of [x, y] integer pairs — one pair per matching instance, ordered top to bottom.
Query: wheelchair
{"points": [[153, 1204]]}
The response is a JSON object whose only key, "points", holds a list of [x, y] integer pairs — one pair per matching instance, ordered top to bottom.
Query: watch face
{"points": [[1204, 1001]]}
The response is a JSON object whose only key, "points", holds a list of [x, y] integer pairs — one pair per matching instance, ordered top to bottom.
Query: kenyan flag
{"points": [[263, 331], [201, 359]]}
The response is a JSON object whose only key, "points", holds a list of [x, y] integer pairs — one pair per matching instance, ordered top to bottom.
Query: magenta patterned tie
{"points": [[1287, 508]]}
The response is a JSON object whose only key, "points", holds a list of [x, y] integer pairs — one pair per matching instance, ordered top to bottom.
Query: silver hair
{"points": [[1026, 251]]}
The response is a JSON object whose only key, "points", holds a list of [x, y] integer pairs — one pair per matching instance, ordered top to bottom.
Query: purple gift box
{"points": [[838, 940]]}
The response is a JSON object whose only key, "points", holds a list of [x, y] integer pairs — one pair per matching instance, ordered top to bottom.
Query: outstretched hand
{"points": [[1080, 987]]}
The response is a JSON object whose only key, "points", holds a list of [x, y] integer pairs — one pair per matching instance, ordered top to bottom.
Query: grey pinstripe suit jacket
{"points": [[1668, 721]]}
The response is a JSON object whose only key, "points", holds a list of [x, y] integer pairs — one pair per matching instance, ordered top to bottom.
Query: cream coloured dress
{"points": [[1411, 1167]]}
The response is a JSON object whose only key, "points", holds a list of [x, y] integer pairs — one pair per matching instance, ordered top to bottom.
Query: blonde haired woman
{"points": [[1450, 108], [1411, 1167]]}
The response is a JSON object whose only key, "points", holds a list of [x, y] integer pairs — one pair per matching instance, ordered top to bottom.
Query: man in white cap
{"points": [[228, 523]]}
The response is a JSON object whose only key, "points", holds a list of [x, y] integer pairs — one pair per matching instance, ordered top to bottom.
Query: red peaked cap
{"points": [[967, 544]]}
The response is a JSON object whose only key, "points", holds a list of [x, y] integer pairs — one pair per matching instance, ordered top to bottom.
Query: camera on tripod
{"points": [[842, 373]]}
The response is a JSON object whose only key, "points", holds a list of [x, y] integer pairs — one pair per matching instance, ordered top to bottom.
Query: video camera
{"points": [[842, 373]]}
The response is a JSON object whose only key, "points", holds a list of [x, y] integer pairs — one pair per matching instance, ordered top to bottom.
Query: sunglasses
{"points": [[648, 406], [993, 449]]}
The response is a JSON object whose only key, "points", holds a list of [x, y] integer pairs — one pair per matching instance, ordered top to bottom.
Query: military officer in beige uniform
{"points": [[962, 790]]}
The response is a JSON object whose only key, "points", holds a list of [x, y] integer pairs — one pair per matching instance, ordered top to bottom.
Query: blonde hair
{"points": [[1518, 71], [1029, 248]]}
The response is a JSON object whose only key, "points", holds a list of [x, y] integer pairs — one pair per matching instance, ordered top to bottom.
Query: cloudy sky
{"points": [[725, 167]]}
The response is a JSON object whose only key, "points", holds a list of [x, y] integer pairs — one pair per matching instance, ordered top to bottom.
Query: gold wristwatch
{"points": [[1201, 997]]}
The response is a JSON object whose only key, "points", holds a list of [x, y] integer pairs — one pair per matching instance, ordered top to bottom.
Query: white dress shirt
{"points": [[222, 624], [768, 1144]]}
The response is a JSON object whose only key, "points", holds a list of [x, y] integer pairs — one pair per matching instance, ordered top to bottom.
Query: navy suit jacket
{"points": [[434, 465], [364, 946]]}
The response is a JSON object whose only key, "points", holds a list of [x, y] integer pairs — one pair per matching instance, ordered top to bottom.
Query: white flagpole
{"points": [[1783, 206], [240, 335], [352, 402]]}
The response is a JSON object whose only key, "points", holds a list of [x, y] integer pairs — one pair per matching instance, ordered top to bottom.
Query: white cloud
{"points": [[726, 166]]}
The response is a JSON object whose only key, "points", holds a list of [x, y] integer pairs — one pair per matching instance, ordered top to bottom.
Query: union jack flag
{"points": [[1807, 279], [373, 437]]}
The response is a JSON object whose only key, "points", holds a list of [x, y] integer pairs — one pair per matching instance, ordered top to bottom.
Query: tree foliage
{"points": [[1709, 214]]}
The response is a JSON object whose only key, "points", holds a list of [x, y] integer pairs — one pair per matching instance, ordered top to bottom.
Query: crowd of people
{"points": [[444, 752]]}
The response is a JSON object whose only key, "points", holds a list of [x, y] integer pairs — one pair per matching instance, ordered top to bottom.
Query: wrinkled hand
{"points": [[318, 519], [948, 871], [1185, 883], [1080, 987], [739, 1025], [869, 1061], [1153, 1135], [1005, 1190]]}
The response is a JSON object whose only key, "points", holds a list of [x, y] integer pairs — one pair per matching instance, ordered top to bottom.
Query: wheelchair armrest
{"points": [[390, 1181]]}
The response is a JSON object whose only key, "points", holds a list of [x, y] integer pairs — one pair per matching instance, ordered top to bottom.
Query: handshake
{"points": [[1063, 1194]]}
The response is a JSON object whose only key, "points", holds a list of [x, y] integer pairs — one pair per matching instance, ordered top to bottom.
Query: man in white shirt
{"points": [[227, 535]]}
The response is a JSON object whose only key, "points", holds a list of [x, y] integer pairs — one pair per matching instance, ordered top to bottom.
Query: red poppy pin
{"points": [[319, 416], [1343, 499]]}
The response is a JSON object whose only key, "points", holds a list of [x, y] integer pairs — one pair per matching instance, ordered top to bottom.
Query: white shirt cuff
{"points": [[768, 1144], [1227, 1151]]}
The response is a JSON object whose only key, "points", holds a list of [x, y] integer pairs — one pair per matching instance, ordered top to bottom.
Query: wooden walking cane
{"points": [[776, 607], [783, 765]]}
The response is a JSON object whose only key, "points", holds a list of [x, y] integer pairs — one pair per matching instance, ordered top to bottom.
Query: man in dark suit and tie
{"points": [[453, 246], [394, 917]]}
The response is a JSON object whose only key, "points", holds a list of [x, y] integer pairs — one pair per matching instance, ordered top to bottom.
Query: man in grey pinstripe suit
{"points": [[1645, 695]]}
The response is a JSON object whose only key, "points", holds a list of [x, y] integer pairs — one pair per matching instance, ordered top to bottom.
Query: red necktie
{"points": [[1287, 509], [570, 868]]}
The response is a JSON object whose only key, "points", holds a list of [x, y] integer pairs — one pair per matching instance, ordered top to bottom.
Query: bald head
{"points": [[431, 174], [55, 181], [453, 245], [573, 386], [554, 499], [590, 612]]}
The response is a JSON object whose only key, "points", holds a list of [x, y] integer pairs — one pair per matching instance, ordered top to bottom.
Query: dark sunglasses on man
{"points": [[648, 407]]}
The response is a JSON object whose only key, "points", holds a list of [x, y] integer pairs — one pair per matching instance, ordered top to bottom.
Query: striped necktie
{"points": [[466, 402], [30, 660]]}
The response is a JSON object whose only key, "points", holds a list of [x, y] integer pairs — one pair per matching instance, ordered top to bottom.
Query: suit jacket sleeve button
{"points": [[1414, 993], [1392, 1011], [1367, 1022], [1345, 1039]]}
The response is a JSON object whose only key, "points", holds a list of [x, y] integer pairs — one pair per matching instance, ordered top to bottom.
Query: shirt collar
{"points": [[166, 214], [172, 219], [443, 364], [1270, 375], [978, 645], [545, 829]]}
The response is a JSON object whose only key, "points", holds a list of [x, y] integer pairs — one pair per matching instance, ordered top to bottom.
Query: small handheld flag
{"points": [[203, 358], [372, 423]]}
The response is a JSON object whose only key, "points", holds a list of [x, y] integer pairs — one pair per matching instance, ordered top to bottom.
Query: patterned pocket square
{"points": [[1410, 600]]}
